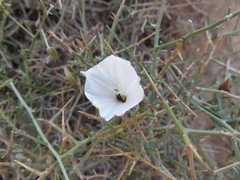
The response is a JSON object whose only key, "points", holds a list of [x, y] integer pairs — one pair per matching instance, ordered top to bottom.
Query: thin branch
{"points": [[211, 26], [40, 130]]}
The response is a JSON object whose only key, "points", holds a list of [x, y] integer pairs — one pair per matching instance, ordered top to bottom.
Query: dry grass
{"points": [[188, 123]]}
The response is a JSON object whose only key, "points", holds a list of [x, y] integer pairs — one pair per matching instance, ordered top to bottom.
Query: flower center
{"points": [[121, 98]]}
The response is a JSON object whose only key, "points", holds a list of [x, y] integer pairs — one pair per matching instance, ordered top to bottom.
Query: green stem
{"points": [[63, 13], [83, 17], [16, 22], [114, 25], [211, 26], [232, 33], [36, 35], [44, 37], [156, 39], [5, 83], [216, 91], [170, 112], [214, 117], [221, 122], [40, 130], [106, 130], [19, 131], [209, 132], [218, 133], [75, 148], [236, 148], [203, 153]]}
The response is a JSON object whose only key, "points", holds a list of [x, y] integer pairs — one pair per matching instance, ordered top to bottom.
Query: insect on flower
{"points": [[113, 87], [121, 98]]}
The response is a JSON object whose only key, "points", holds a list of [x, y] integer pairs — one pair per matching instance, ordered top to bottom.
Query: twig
{"points": [[65, 46], [170, 59], [224, 65], [225, 93], [178, 98], [90, 116], [143, 161], [191, 164], [226, 167], [34, 171]]}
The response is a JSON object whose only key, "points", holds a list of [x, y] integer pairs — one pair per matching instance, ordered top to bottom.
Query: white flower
{"points": [[113, 87]]}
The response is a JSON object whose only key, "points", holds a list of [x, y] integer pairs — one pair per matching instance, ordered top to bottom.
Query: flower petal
{"points": [[125, 74], [110, 77], [134, 97], [107, 109]]}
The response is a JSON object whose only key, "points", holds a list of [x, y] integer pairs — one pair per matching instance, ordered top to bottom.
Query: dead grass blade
{"points": [[143, 161]]}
